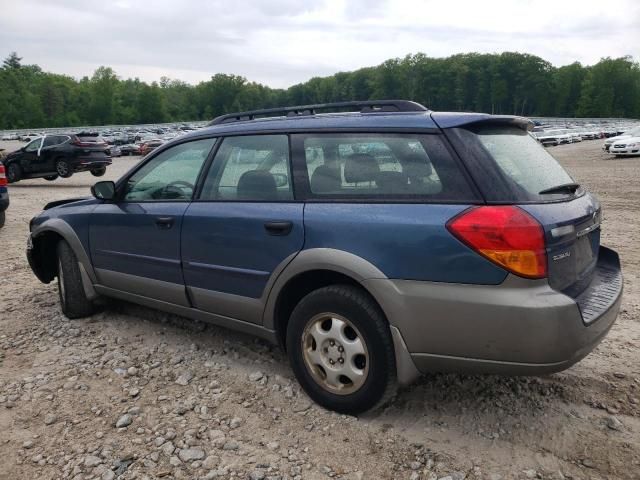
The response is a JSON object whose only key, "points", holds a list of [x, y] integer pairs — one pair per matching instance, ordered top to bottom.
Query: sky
{"points": [[283, 42]]}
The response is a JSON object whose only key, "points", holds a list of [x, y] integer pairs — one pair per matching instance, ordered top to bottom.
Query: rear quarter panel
{"points": [[404, 241]]}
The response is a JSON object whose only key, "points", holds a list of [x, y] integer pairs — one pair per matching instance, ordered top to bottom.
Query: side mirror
{"points": [[281, 179], [105, 190]]}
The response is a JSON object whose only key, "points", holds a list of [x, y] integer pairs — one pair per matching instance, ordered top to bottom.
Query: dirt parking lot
{"points": [[133, 393]]}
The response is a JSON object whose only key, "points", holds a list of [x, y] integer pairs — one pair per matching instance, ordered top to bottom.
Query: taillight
{"points": [[3, 176], [506, 235]]}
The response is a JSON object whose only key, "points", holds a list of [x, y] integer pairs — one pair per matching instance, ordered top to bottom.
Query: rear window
{"points": [[90, 138], [522, 159], [378, 165], [524, 167]]}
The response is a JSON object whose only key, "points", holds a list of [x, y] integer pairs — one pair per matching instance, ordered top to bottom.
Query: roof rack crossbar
{"points": [[367, 106]]}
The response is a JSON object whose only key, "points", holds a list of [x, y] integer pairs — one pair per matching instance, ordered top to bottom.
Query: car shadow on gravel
{"points": [[514, 402]]}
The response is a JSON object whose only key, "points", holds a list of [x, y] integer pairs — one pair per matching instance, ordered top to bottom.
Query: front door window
{"points": [[170, 175]]}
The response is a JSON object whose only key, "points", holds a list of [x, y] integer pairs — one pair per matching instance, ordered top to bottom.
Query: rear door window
{"points": [[52, 140], [380, 166], [250, 168]]}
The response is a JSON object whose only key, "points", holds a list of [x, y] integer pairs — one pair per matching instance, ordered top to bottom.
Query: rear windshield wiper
{"points": [[564, 188]]}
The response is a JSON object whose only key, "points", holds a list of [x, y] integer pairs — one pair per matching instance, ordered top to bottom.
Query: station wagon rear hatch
{"points": [[511, 168]]}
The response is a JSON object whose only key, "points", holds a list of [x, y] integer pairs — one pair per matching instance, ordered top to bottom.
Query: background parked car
{"points": [[634, 132], [150, 146], [626, 147], [130, 149], [115, 151], [61, 155]]}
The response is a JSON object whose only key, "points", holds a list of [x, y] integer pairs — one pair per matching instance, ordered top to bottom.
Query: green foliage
{"points": [[507, 83]]}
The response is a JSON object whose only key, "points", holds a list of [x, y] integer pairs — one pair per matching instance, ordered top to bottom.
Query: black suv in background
{"points": [[59, 155], [4, 193]]}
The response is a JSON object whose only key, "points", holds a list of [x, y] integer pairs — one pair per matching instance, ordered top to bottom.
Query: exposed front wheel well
{"points": [[45, 256], [301, 285]]}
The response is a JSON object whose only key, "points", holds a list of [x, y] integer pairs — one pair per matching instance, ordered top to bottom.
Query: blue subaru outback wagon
{"points": [[372, 240]]}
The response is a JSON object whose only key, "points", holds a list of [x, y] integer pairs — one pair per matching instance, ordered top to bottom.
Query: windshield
{"points": [[524, 161]]}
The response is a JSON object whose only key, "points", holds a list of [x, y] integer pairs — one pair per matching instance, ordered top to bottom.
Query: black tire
{"points": [[63, 168], [98, 172], [14, 173], [51, 178], [2, 218], [73, 301], [359, 309]]}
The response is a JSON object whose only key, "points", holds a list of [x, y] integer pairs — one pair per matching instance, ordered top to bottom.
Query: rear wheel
{"points": [[63, 168], [98, 172], [14, 173], [51, 178], [2, 218], [73, 300], [341, 351]]}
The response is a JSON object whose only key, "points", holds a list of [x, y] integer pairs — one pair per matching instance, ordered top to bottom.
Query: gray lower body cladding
{"points": [[519, 327]]}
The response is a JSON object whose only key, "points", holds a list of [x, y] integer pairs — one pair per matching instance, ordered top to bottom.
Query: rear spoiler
{"points": [[456, 119]]}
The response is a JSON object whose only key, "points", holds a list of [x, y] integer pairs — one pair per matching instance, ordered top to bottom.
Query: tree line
{"points": [[507, 83]]}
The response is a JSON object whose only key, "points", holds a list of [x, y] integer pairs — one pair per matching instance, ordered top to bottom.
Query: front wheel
{"points": [[63, 168], [98, 172], [14, 173], [73, 300], [341, 351]]}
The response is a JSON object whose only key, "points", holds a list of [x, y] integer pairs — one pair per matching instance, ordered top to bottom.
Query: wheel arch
{"points": [[43, 260], [320, 264], [317, 268]]}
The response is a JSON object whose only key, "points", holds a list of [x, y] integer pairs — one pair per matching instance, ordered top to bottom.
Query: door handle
{"points": [[164, 223], [278, 228]]}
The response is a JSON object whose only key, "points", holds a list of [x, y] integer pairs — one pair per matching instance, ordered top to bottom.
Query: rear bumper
{"points": [[84, 164], [519, 327]]}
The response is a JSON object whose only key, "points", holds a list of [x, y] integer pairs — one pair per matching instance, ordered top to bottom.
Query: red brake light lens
{"points": [[3, 176], [506, 235]]}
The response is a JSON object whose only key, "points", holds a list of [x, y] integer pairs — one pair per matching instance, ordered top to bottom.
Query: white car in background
{"points": [[634, 132], [589, 134], [576, 135], [553, 137], [626, 147]]}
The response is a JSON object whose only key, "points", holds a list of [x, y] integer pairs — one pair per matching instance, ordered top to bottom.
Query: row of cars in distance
{"points": [[553, 135], [621, 140], [141, 141]]}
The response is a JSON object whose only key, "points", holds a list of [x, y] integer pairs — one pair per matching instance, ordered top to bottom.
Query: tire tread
{"points": [[76, 304]]}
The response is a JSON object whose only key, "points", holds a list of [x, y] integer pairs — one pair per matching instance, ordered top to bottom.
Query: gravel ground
{"points": [[134, 393]]}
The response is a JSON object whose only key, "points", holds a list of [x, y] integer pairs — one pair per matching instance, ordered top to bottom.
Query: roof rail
{"points": [[367, 106]]}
